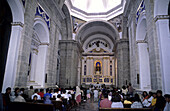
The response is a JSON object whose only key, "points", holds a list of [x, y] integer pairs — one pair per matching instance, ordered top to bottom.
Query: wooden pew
{"points": [[57, 105], [26, 106], [125, 109]]}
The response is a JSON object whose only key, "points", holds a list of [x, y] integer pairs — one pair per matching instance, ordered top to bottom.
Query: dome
{"points": [[95, 9]]}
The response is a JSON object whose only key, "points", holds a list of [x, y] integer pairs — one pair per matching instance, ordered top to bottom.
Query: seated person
{"points": [[56, 92], [36, 93], [41, 93], [47, 93], [64, 95], [145, 97], [19, 98], [58, 98], [35, 99], [47, 100], [153, 100], [116, 101], [136, 102], [105, 103], [167, 106]]}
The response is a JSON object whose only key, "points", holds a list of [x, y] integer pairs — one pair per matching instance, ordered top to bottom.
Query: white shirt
{"points": [[96, 93], [55, 94], [38, 96], [65, 96], [137, 104], [117, 105], [167, 107]]}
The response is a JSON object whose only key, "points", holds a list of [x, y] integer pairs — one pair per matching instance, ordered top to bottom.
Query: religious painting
{"points": [[98, 67]]}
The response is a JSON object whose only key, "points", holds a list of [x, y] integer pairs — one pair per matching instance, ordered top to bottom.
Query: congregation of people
{"points": [[69, 96], [106, 97], [127, 97]]}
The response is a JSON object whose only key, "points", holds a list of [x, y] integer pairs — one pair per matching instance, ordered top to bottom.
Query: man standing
{"points": [[30, 92], [96, 93]]}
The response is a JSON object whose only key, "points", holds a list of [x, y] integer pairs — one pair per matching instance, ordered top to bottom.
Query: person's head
{"points": [[130, 84], [31, 87], [124, 87], [22, 89], [8, 90], [17, 90], [41, 90], [47, 90], [51, 90], [57, 90], [36, 91], [64, 91], [69, 92], [159, 93], [145, 94], [150, 94], [105, 95], [154, 95], [58, 96], [167, 97], [35, 98], [116, 98], [136, 98]]}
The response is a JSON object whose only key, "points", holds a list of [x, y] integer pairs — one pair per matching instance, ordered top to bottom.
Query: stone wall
{"points": [[152, 41], [69, 53]]}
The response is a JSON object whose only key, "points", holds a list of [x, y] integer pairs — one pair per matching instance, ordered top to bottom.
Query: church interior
{"points": [[69, 43]]}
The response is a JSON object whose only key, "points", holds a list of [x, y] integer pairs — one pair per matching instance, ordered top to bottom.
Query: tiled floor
{"points": [[89, 105]]}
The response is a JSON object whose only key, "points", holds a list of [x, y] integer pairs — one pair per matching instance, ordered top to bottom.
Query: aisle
{"points": [[89, 105]]}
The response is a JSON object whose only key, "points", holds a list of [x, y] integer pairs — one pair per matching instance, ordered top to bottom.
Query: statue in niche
{"points": [[98, 68]]}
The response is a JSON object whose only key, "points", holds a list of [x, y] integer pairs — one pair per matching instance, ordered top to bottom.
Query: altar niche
{"points": [[97, 67]]}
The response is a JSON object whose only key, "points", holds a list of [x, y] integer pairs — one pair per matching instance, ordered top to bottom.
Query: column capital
{"points": [[159, 17], [17, 24], [141, 41], [45, 44], [35, 51]]}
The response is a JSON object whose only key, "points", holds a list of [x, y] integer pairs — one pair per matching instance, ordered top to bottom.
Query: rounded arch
{"points": [[161, 7], [17, 10], [66, 24], [96, 27], [141, 27], [42, 30], [143, 54]]}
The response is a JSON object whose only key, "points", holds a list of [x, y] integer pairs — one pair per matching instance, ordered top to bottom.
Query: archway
{"points": [[17, 21], [5, 33], [98, 40], [143, 53], [38, 55]]}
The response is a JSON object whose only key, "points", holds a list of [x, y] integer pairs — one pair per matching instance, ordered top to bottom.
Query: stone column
{"points": [[162, 28], [25, 45], [70, 54], [122, 55], [12, 57], [41, 64], [33, 65], [88, 66], [92, 66], [104, 66], [107, 66], [144, 67]]}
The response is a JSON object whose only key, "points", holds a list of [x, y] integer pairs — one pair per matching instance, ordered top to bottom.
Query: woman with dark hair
{"points": [[145, 98], [116, 101], [136, 102]]}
